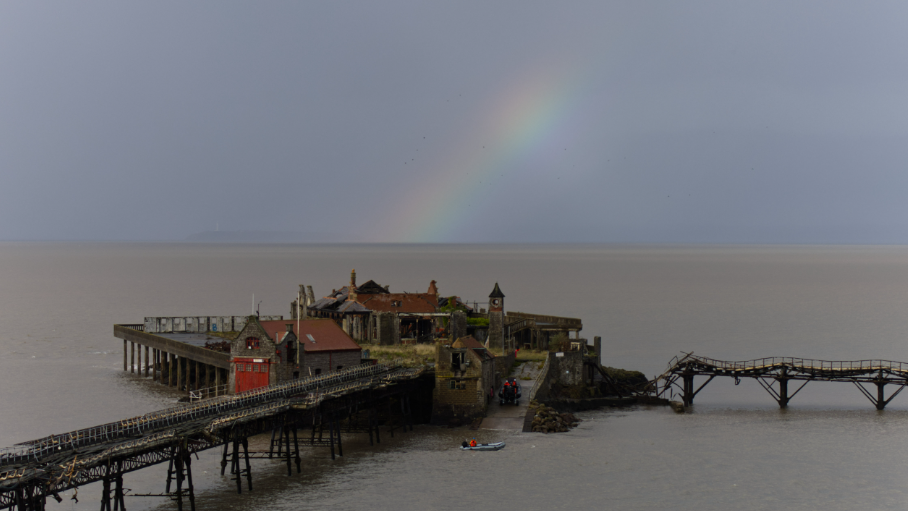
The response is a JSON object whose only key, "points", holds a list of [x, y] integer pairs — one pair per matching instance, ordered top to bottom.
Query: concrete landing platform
{"points": [[510, 417]]}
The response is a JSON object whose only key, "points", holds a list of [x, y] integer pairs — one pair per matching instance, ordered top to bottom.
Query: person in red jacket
{"points": [[473, 443]]}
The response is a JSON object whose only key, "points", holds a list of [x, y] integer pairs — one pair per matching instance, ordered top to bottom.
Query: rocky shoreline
{"points": [[548, 420]]}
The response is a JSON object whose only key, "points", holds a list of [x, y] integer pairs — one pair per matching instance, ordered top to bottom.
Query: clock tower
{"points": [[496, 319]]}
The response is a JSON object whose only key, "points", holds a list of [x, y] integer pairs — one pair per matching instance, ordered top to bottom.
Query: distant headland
{"points": [[262, 237]]}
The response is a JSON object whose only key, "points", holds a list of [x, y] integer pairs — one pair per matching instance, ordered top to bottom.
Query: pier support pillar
{"points": [[132, 357], [146, 361], [125, 362], [179, 362], [688, 387], [783, 388], [783, 393], [880, 396], [248, 466], [119, 502]]}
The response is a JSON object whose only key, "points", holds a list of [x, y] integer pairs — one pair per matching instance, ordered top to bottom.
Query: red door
{"points": [[251, 373]]}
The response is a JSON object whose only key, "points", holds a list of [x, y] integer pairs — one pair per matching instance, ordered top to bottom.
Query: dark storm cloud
{"points": [[689, 122]]}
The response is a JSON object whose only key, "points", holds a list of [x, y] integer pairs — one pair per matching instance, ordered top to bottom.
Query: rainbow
{"points": [[518, 122]]}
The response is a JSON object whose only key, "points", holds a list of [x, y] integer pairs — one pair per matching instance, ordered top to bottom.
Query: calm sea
{"points": [[61, 369]]}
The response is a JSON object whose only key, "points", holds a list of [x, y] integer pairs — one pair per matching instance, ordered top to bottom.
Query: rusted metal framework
{"points": [[774, 374], [32, 471]]}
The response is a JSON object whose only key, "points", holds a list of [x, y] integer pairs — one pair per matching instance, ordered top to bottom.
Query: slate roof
{"points": [[371, 288], [496, 293], [352, 307], [328, 336], [471, 342]]}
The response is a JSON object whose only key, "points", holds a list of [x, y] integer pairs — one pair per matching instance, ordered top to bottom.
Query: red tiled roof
{"points": [[416, 302], [328, 336]]}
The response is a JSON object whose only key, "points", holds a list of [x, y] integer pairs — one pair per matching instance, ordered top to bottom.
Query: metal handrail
{"points": [[867, 365], [542, 374], [208, 392], [36, 449]]}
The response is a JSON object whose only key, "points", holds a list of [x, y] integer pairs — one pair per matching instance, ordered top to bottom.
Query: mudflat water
{"points": [[61, 369]]}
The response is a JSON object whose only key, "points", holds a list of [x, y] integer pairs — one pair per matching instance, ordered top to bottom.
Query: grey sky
{"points": [[459, 121]]}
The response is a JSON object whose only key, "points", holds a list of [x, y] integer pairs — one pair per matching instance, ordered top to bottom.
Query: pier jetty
{"points": [[775, 373]]}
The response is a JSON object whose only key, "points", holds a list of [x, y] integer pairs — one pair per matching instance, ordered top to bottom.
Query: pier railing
{"points": [[802, 365], [775, 373], [539, 379], [208, 392], [163, 419]]}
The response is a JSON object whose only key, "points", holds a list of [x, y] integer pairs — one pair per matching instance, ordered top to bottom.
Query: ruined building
{"points": [[371, 313], [465, 381]]}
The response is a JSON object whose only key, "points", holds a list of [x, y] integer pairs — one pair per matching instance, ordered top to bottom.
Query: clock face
{"points": [[496, 302]]}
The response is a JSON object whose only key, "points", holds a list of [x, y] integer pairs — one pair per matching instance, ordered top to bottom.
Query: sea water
{"points": [[61, 369]]}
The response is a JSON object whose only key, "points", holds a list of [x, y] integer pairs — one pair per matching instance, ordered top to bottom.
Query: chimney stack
{"points": [[351, 294]]}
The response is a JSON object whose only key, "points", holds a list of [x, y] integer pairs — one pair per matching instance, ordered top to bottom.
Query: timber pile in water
{"points": [[547, 420]]}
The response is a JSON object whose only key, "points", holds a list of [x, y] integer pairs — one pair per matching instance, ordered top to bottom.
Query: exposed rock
{"points": [[548, 420]]}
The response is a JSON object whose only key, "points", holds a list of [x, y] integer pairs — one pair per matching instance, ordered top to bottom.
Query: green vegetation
{"points": [[450, 307], [478, 321], [224, 335], [560, 342], [409, 355], [531, 355], [625, 376]]}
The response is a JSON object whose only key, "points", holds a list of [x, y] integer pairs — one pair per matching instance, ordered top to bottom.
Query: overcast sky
{"points": [[636, 121]]}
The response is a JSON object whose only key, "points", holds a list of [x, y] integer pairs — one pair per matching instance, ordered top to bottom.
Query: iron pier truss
{"points": [[775, 373], [360, 398]]}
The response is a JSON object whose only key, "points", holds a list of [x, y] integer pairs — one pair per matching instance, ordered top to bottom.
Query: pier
{"points": [[775, 373], [365, 399]]}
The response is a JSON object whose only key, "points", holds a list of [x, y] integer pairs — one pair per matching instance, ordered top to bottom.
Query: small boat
{"points": [[484, 447]]}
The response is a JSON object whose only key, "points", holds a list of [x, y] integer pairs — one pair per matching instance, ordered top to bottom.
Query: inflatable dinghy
{"points": [[484, 447]]}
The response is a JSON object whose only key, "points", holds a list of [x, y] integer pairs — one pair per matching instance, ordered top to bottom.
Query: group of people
{"points": [[472, 443]]}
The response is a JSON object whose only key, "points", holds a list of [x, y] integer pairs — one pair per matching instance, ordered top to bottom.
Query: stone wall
{"points": [[458, 325], [388, 328], [496, 331], [265, 351], [328, 361], [503, 364], [566, 367], [562, 368], [460, 393]]}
